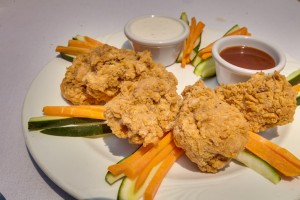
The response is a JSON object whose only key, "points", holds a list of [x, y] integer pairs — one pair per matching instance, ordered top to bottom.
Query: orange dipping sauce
{"points": [[248, 57]]}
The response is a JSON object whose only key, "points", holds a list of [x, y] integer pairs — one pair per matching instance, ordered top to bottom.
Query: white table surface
{"points": [[30, 30]]}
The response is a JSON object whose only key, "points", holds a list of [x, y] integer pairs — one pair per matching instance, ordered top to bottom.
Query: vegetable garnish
{"points": [[195, 32], [78, 45], [208, 48], [72, 50], [192, 54], [294, 77], [296, 88], [94, 112], [43, 122], [89, 130], [278, 157], [259, 165], [133, 168], [145, 169], [160, 174]]}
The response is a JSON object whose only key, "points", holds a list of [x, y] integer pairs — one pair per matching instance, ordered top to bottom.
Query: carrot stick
{"points": [[199, 28], [195, 31], [240, 31], [93, 41], [188, 43], [82, 44], [72, 50], [206, 55], [296, 88], [75, 111], [280, 158], [120, 167], [137, 167], [145, 172], [160, 174]]}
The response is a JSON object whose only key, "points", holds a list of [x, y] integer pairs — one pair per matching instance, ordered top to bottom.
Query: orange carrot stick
{"points": [[195, 31], [240, 31], [93, 41], [188, 43], [81, 44], [72, 50], [206, 55], [296, 88], [75, 111], [280, 158], [120, 167], [137, 167], [145, 172], [160, 174]]}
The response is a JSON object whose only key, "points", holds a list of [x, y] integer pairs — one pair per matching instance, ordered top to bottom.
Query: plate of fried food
{"points": [[161, 132]]}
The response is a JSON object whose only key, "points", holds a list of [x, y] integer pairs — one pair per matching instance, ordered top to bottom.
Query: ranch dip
{"points": [[156, 28]]}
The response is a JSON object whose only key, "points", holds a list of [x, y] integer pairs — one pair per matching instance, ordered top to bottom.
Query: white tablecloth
{"points": [[30, 30]]}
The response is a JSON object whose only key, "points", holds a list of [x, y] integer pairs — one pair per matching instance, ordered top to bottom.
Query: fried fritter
{"points": [[96, 77], [265, 101], [144, 110], [210, 131]]}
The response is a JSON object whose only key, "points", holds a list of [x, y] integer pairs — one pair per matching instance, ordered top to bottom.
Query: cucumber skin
{"points": [[184, 18], [234, 28], [67, 57], [202, 67], [294, 77], [38, 123], [78, 131], [259, 165], [111, 179]]}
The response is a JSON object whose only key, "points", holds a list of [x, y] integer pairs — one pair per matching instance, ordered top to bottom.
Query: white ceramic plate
{"points": [[79, 165]]}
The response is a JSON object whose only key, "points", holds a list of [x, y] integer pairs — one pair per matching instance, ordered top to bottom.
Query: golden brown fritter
{"points": [[96, 77], [265, 101], [144, 110], [210, 131]]}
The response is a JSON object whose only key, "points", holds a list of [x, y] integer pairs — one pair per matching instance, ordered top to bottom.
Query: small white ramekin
{"points": [[164, 50], [228, 73]]}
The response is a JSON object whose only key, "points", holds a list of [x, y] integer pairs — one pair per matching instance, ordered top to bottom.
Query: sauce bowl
{"points": [[163, 36], [228, 73]]}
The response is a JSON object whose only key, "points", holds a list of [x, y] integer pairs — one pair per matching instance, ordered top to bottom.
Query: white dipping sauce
{"points": [[156, 28]]}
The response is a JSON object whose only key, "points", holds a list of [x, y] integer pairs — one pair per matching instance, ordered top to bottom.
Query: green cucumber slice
{"points": [[184, 18], [232, 29], [79, 37], [197, 43], [193, 55], [68, 57], [179, 58], [196, 60], [206, 68], [294, 77], [298, 99], [37, 123], [78, 131], [259, 165], [111, 179], [126, 189]]}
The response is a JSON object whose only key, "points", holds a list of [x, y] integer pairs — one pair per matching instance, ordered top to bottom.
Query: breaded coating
{"points": [[96, 77], [265, 101], [144, 110], [210, 131]]}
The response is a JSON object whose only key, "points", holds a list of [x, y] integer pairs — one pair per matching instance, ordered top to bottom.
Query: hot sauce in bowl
{"points": [[245, 56], [248, 57]]}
